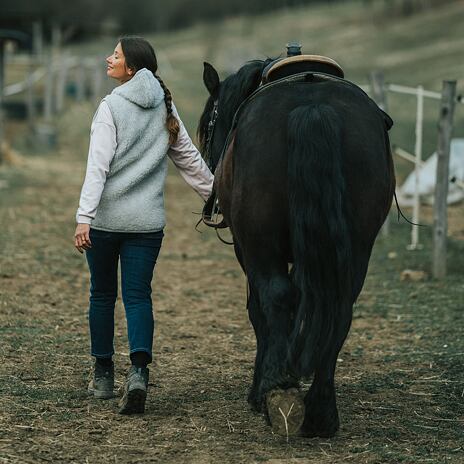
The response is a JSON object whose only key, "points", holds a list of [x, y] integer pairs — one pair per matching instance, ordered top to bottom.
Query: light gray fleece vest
{"points": [[132, 199]]}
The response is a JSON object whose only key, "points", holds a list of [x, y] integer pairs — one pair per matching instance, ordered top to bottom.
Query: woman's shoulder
{"points": [[103, 113]]}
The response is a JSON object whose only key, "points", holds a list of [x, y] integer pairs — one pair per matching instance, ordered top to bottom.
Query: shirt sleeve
{"points": [[101, 152], [189, 162]]}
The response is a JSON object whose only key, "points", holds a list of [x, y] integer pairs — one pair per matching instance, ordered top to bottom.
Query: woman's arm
{"points": [[101, 152], [191, 166]]}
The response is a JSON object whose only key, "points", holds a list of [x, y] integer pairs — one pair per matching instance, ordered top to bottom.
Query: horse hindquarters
{"points": [[321, 248]]}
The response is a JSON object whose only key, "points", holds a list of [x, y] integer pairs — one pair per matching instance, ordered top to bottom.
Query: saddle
{"points": [[288, 66]]}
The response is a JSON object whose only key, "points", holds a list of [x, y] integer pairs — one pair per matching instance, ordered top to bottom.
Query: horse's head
{"points": [[224, 99]]}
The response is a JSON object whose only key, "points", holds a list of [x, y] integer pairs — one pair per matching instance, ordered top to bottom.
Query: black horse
{"points": [[304, 178]]}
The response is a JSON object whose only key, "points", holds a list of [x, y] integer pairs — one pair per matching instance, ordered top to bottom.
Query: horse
{"points": [[304, 179]]}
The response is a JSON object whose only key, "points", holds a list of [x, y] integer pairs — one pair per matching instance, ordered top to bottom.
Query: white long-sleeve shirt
{"points": [[102, 149]]}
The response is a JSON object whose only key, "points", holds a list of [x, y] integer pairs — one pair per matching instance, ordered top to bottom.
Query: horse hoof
{"points": [[286, 411], [323, 428]]}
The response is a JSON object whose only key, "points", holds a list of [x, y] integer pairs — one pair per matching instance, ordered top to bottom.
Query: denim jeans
{"points": [[138, 253]]}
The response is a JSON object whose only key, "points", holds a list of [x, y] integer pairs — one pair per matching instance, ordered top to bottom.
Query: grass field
{"points": [[400, 376]]}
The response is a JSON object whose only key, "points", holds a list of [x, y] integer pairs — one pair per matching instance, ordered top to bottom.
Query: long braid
{"points": [[172, 123]]}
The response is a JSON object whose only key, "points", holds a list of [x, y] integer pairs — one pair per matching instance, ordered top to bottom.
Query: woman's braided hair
{"points": [[140, 54]]}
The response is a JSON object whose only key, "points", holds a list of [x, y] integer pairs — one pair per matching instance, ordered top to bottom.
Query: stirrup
{"points": [[211, 214]]}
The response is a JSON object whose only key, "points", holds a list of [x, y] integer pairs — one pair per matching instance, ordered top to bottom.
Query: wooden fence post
{"points": [[57, 39], [37, 41], [54, 74], [61, 78], [377, 81], [80, 83], [2, 85], [48, 90], [31, 113], [440, 219], [414, 245]]}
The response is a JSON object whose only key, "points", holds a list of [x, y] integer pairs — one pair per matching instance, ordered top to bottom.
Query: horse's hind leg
{"points": [[275, 296], [259, 323], [273, 382], [321, 408], [321, 417]]}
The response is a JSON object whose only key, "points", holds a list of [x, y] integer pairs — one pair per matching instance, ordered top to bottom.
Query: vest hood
{"points": [[143, 90]]}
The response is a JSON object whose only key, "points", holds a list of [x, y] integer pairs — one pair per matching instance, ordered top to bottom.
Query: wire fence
{"points": [[448, 101]]}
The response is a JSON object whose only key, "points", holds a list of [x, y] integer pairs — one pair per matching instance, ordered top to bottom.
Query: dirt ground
{"points": [[400, 376]]}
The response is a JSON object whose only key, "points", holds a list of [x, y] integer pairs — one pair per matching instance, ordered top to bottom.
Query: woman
{"points": [[121, 210]]}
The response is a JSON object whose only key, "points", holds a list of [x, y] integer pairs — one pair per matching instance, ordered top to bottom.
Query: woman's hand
{"points": [[82, 237]]}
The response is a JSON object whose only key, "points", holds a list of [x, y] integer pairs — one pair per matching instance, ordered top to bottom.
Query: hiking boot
{"points": [[102, 382], [134, 391]]}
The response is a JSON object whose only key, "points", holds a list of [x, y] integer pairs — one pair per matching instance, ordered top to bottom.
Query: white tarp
{"points": [[427, 178]]}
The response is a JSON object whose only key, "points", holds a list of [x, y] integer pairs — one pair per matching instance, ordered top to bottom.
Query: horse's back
{"points": [[364, 124], [261, 142], [261, 150]]}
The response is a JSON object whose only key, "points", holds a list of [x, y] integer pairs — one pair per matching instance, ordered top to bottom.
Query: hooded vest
{"points": [[133, 195]]}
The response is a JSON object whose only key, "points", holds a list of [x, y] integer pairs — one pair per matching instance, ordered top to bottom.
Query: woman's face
{"points": [[117, 68]]}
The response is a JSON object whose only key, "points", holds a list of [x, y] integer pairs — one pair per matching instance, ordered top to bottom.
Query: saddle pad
{"points": [[302, 63]]}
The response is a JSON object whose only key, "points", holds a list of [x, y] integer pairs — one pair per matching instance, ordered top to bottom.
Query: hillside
{"points": [[422, 49]]}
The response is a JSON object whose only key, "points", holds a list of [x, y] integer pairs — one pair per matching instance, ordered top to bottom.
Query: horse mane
{"points": [[238, 86], [233, 91]]}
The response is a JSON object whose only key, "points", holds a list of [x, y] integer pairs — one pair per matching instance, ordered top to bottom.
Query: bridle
{"points": [[210, 132], [211, 219]]}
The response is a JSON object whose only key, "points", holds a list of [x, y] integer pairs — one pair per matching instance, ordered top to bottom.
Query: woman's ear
{"points": [[130, 71]]}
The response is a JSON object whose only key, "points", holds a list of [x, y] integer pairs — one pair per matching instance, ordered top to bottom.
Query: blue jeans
{"points": [[138, 253]]}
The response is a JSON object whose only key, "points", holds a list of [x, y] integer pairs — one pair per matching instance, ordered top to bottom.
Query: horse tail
{"points": [[320, 239]]}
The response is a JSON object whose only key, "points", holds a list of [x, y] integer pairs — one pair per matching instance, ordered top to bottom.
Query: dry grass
{"points": [[400, 375]]}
